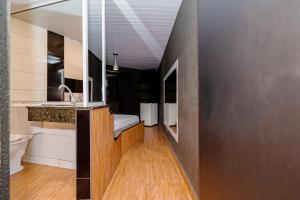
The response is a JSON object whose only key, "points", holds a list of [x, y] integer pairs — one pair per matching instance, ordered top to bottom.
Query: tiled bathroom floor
{"points": [[40, 182]]}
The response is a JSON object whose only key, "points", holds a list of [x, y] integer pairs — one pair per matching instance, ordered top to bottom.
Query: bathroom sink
{"points": [[58, 104], [62, 104], [70, 104]]}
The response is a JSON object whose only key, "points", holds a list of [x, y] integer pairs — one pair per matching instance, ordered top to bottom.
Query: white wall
{"points": [[28, 62], [28, 75], [54, 146]]}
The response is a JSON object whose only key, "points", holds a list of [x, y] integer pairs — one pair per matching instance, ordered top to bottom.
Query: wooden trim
{"points": [[132, 126], [132, 136], [185, 177]]}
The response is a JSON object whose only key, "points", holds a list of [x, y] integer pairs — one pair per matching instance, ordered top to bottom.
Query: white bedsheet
{"points": [[122, 122]]}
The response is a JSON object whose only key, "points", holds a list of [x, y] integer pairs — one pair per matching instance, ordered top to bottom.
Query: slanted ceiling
{"points": [[138, 30]]}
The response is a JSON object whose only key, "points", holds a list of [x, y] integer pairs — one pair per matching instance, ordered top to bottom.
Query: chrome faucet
{"points": [[67, 88]]}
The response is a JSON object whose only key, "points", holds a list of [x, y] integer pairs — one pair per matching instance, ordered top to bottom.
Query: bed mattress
{"points": [[123, 122]]}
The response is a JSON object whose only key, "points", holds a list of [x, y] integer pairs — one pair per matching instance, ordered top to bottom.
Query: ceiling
{"points": [[63, 18], [137, 29]]}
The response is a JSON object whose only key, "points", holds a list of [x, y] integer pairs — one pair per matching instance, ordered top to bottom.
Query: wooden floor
{"points": [[148, 171], [40, 182]]}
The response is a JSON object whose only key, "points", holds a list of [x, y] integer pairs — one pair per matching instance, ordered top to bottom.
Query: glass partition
{"points": [[96, 50]]}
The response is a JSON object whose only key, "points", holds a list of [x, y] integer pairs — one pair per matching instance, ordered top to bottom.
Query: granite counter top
{"points": [[58, 111]]}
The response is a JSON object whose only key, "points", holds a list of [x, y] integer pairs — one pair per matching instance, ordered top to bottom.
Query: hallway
{"points": [[148, 171]]}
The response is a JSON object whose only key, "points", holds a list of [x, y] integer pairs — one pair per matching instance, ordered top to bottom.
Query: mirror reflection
{"points": [[56, 30], [170, 101]]}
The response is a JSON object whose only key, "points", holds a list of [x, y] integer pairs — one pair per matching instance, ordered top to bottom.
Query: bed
{"points": [[123, 122], [128, 130], [106, 150]]}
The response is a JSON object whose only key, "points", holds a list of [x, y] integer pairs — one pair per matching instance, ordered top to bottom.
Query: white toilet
{"points": [[18, 145]]}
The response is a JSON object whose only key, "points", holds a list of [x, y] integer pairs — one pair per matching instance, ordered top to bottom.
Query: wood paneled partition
{"points": [[132, 136], [98, 152], [106, 152]]}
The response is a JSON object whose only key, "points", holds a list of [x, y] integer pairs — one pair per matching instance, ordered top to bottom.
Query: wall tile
{"points": [[24, 28], [28, 45], [73, 59], [28, 63], [28, 81], [28, 95], [43, 145]]}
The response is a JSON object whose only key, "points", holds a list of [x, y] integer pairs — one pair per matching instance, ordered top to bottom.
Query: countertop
{"points": [[69, 105], [61, 112]]}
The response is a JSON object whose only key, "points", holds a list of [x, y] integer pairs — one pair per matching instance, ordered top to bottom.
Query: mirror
{"points": [[62, 29], [56, 46], [171, 101]]}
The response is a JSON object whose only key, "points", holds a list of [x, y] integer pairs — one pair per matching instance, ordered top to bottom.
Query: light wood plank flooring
{"points": [[148, 171], [40, 182]]}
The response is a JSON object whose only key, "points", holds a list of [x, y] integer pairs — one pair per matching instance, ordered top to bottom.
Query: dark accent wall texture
{"points": [[183, 45], [55, 66], [95, 72], [55, 76], [127, 88], [4, 99], [250, 99]]}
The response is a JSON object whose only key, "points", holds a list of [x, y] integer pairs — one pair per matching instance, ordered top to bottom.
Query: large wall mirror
{"points": [[56, 39], [70, 50], [171, 100]]}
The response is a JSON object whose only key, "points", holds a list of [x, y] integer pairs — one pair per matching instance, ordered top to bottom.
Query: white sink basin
{"points": [[59, 104], [62, 104]]}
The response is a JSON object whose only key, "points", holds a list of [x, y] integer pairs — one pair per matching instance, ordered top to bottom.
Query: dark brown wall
{"points": [[183, 45], [95, 72], [55, 73], [127, 88], [250, 99]]}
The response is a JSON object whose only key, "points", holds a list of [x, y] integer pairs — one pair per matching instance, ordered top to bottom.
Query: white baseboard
{"points": [[49, 161], [67, 164]]}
